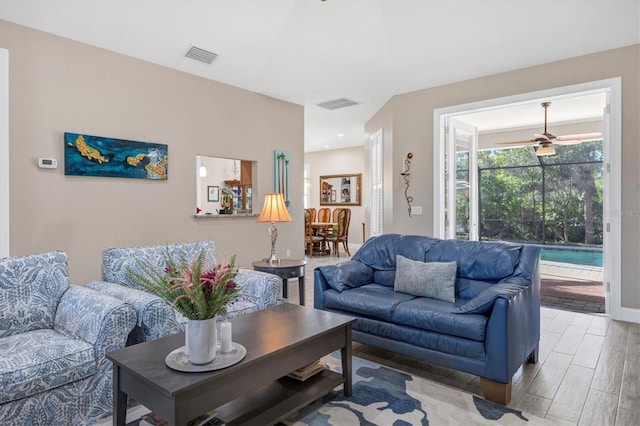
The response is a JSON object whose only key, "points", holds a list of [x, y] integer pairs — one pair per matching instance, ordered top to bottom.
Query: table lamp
{"points": [[274, 211]]}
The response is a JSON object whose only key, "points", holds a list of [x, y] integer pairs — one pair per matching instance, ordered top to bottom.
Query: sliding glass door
{"points": [[461, 181]]}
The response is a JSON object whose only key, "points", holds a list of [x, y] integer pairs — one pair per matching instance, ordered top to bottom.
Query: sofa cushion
{"points": [[380, 252], [478, 260], [117, 262], [349, 274], [384, 277], [432, 279], [468, 289], [30, 290], [371, 300], [483, 302], [242, 305], [435, 315], [458, 346], [40, 360]]}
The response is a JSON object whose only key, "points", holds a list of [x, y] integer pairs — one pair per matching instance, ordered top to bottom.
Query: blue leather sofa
{"points": [[157, 318], [489, 330], [53, 340]]}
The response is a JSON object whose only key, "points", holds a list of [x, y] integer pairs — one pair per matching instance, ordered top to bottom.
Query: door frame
{"points": [[452, 124], [612, 146], [4, 153]]}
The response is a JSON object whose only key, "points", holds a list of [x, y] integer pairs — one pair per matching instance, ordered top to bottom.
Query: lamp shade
{"points": [[274, 209]]}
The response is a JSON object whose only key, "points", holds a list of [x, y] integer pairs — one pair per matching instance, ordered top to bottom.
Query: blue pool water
{"points": [[577, 257]]}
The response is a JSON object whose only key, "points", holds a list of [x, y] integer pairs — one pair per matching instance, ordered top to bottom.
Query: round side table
{"points": [[287, 268]]}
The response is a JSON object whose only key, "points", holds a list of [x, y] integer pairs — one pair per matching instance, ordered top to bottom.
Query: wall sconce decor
{"points": [[281, 170], [405, 176]]}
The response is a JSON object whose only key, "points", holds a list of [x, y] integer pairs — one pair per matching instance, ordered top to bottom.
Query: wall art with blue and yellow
{"points": [[86, 155]]}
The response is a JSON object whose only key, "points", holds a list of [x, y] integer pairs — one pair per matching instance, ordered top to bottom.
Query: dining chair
{"points": [[312, 211], [334, 214], [324, 215], [334, 219], [342, 233], [309, 238]]}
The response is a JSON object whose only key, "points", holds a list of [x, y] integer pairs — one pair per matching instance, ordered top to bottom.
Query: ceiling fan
{"points": [[546, 140]]}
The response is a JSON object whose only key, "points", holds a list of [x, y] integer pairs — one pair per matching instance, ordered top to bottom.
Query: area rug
{"points": [[385, 396]]}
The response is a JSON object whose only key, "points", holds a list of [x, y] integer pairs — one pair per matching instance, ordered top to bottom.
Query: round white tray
{"points": [[179, 360]]}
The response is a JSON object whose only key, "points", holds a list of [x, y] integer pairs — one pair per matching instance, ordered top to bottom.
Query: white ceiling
{"points": [[311, 51], [588, 107]]}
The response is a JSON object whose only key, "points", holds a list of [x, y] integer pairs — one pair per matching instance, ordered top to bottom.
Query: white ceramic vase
{"points": [[200, 341]]}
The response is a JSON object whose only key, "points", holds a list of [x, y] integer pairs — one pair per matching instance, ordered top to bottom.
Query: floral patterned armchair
{"points": [[157, 318], [53, 341]]}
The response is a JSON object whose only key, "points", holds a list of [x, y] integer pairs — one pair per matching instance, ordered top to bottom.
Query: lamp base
{"points": [[273, 235], [273, 260]]}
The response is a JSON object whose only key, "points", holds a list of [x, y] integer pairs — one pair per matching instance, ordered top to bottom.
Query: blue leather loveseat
{"points": [[488, 326]]}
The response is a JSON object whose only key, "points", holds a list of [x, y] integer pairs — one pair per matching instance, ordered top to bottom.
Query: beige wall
{"points": [[58, 85], [411, 129], [336, 162]]}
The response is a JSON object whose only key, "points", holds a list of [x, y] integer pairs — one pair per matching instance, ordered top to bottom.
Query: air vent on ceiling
{"points": [[201, 55], [338, 103]]}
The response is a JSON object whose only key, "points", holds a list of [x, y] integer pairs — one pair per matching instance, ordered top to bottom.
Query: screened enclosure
{"points": [[522, 197]]}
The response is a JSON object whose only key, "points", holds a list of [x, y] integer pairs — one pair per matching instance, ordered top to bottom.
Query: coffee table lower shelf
{"points": [[274, 402]]}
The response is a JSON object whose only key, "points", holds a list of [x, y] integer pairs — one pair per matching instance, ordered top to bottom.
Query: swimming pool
{"points": [[568, 255]]}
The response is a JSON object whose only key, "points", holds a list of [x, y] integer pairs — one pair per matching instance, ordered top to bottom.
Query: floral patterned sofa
{"points": [[157, 318], [53, 341]]}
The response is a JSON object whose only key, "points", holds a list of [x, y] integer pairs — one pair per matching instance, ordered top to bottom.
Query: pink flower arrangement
{"points": [[195, 289]]}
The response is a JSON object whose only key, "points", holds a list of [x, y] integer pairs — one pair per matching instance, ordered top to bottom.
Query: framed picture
{"points": [[86, 155], [213, 193], [333, 195]]}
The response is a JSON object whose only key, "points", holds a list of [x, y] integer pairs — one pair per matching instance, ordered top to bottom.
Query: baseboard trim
{"points": [[630, 315]]}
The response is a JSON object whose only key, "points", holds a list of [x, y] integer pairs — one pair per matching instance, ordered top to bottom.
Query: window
{"points": [[307, 186], [376, 211]]}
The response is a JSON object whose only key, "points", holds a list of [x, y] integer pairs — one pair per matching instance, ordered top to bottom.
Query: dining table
{"points": [[323, 228]]}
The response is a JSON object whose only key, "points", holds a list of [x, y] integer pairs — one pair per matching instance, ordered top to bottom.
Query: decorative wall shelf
{"points": [[224, 216]]}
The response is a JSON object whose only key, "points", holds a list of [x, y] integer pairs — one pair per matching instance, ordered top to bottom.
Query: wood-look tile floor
{"points": [[588, 372]]}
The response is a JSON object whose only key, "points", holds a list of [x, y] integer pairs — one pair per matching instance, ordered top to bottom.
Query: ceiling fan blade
{"points": [[539, 136], [579, 136], [527, 142], [567, 142]]}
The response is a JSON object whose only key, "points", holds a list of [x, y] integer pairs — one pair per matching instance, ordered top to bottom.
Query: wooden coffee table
{"points": [[279, 340]]}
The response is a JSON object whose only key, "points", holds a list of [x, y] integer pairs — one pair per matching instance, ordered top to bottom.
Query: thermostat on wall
{"points": [[47, 163]]}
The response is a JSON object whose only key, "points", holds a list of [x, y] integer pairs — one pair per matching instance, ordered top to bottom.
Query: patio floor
{"points": [[571, 287]]}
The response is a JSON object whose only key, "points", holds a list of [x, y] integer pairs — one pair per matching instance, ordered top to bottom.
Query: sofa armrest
{"points": [[527, 267], [320, 285], [262, 287], [484, 301], [155, 317], [96, 318], [513, 332]]}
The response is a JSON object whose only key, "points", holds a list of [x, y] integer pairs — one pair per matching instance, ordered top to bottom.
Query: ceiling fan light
{"points": [[545, 150]]}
